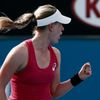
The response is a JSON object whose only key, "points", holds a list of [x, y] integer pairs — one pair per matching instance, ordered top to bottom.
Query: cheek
{"points": [[55, 34], [53, 37], [56, 37]]}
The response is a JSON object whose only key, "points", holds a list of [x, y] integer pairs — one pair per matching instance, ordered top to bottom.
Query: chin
{"points": [[55, 42]]}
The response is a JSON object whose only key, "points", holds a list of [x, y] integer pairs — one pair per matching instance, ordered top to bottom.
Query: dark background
{"points": [[14, 8]]}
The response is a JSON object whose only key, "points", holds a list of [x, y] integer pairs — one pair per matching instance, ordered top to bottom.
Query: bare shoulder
{"points": [[20, 48], [57, 51], [19, 53], [58, 55], [17, 57]]}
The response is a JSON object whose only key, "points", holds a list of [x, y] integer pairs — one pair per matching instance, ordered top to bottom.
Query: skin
{"points": [[41, 40]]}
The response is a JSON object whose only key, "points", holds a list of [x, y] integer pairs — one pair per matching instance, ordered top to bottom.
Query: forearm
{"points": [[67, 85], [63, 88], [2, 94]]}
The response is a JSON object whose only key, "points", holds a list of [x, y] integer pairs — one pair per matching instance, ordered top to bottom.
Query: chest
{"points": [[42, 59], [40, 68], [41, 72]]}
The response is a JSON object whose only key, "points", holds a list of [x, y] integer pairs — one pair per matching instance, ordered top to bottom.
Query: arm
{"points": [[9, 67], [60, 88]]}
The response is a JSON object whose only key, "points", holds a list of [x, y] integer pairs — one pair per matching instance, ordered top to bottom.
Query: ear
{"points": [[50, 27]]}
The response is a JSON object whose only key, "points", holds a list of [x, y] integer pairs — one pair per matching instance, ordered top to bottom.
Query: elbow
{"points": [[55, 95]]}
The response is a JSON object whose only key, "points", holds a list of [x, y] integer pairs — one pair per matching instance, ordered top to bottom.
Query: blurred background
{"points": [[80, 41]]}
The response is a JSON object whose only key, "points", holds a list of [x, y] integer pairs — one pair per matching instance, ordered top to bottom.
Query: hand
{"points": [[85, 71]]}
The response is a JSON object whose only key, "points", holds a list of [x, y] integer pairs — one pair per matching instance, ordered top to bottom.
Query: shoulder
{"points": [[19, 49], [57, 51], [18, 53], [58, 54], [18, 56], [15, 60]]}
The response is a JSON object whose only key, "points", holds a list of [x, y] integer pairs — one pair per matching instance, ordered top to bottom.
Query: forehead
{"points": [[57, 23]]}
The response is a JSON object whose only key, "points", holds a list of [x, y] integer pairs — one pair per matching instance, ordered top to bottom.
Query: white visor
{"points": [[56, 17]]}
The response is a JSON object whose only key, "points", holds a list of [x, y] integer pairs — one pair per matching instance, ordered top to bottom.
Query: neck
{"points": [[41, 41]]}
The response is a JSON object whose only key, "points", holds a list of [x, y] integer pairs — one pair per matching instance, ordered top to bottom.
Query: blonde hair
{"points": [[25, 19]]}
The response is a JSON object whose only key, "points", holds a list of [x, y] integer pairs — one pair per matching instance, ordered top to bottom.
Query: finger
{"points": [[86, 65], [87, 69]]}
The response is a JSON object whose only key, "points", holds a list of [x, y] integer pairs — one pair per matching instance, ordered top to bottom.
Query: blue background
{"points": [[74, 52]]}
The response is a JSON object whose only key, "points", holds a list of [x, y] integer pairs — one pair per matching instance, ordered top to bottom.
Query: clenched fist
{"points": [[85, 71]]}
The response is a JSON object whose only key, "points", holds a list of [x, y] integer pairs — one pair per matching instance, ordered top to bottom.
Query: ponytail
{"points": [[24, 20], [6, 24]]}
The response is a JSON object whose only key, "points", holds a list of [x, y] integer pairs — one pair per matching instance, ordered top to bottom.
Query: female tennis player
{"points": [[33, 66]]}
